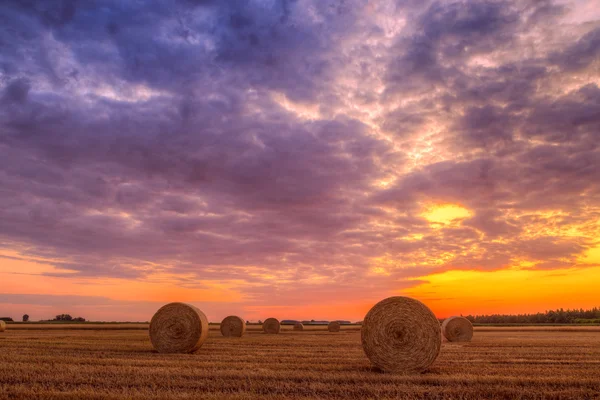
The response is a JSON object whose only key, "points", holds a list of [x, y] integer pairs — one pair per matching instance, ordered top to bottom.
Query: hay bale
{"points": [[271, 325], [2, 326], [233, 326], [298, 326], [334, 326], [178, 328], [457, 329], [400, 334]]}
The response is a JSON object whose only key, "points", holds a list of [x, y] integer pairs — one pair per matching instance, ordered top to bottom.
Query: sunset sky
{"points": [[298, 158]]}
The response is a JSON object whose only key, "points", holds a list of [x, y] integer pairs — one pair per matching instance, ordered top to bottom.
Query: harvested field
{"points": [[79, 326], [311, 364]]}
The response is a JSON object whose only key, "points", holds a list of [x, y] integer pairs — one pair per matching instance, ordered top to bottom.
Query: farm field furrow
{"points": [[114, 364]]}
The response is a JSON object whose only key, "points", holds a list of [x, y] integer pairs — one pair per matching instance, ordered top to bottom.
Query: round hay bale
{"points": [[271, 325], [2, 326], [233, 326], [298, 326], [334, 326], [178, 328], [457, 329], [400, 334]]}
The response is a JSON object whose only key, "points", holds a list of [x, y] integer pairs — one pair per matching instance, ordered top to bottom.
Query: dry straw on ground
{"points": [[271, 325], [2, 326], [233, 326], [298, 326], [333, 326], [178, 328], [457, 329], [400, 334], [100, 365]]}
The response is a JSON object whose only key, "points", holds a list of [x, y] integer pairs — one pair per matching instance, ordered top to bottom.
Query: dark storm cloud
{"points": [[444, 36], [173, 44], [580, 54], [16, 91], [574, 117], [484, 126], [176, 133]]}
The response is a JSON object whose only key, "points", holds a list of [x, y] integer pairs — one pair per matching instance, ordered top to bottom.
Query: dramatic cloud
{"points": [[286, 147]]}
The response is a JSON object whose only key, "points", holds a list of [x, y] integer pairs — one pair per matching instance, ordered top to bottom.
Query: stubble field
{"points": [[500, 363]]}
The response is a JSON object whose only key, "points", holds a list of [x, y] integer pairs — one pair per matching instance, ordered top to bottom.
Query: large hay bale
{"points": [[271, 325], [2, 326], [233, 326], [298, 326], [334, 326], [178, 328], [457, 329], [400, 334]]}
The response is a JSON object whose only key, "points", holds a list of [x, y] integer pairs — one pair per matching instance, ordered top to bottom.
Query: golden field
{"points": [[100, 363]]}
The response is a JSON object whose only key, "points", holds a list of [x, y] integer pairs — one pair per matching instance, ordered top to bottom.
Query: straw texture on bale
{"points": [[271, 325], [2, 326], [233, 326], [298, 326], [333, 326], [178, 328], [457, 329], [400, 334]]}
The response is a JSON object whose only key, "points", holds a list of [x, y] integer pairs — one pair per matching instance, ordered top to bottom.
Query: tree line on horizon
{"points": [[559, 316], [60, 317]]}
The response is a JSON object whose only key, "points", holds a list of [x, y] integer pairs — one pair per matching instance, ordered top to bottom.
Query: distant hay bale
{"points": [[271, 325], [2, 326], [233, 326], [298, 326], [334, 326], [178, 328], [457, 329], [400, 334]]}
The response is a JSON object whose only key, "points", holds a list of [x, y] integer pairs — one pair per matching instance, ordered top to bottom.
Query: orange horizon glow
{"points": [[517, 290]]}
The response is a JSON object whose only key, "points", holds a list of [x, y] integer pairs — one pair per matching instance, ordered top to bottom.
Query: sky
{"points": [[298, 158]]}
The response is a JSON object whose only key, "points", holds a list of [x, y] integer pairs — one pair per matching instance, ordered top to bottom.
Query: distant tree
{"points": [[63, 317], [25, 318], [6, 319], [79, 319], [260, 321]]}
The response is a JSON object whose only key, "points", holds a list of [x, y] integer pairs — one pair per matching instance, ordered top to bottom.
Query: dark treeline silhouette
{"points": [[560, 316], [60, 317], [67, 317]]}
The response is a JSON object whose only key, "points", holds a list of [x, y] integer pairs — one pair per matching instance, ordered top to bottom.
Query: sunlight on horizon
{"points": [[507, 291]]}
